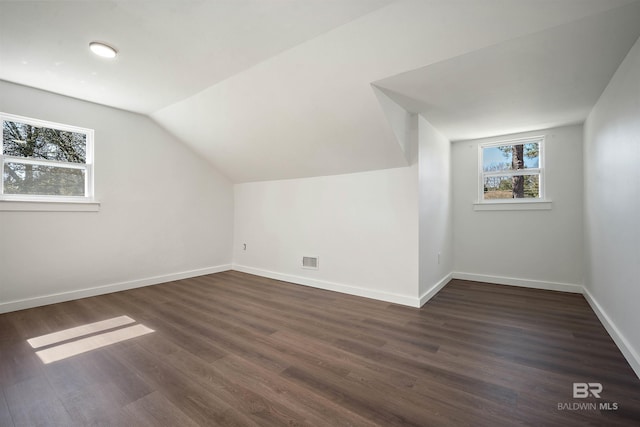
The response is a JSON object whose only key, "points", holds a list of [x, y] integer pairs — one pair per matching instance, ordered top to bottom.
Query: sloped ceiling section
{"points": [[168, 49], [541, 80], [282, 89], [311, 111], [402, 122]]}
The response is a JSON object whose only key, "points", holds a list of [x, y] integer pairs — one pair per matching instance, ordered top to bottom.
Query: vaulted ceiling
{"points": [[168, 50], [540, 80], [275, 89]]}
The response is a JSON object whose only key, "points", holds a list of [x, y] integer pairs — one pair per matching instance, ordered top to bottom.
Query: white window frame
{"points": [[540, 171], [35, 202]]}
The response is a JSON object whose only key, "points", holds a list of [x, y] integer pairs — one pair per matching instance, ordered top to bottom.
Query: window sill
{"points": [[542, 205], [49, 206]]}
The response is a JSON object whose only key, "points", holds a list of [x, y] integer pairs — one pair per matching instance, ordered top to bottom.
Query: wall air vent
{"points": [[310, 262]]}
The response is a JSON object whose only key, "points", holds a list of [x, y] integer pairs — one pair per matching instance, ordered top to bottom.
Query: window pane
{"points": [[24, 140], [532, 155], [511, 157], [496, 158], [42, 180], [511, 187]]}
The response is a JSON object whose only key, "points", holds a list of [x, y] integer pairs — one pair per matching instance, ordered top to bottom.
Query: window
{"points": [[43, 161], [512, 171]]}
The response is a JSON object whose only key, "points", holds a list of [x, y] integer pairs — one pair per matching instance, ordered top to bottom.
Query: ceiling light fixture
{"points": [[103, 49]]}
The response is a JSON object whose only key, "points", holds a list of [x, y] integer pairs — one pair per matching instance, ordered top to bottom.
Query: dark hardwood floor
{"points": [[233, 349]]}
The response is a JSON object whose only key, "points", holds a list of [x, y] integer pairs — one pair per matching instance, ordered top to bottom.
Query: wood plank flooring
{"points": [[232, 349]]}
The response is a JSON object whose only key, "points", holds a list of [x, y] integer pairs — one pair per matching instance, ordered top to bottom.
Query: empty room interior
{"points": [[320, 213]]}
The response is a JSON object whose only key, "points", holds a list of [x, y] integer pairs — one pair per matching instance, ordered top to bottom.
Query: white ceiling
{"points": [[169, 50], [541, 80], [275, 89]]}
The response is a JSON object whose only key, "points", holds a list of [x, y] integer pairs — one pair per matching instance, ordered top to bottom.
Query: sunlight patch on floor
{"points": [[79, 331], [83, 345], [73, 348]]}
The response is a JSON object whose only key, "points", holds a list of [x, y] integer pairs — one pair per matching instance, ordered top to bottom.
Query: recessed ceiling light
{"points": [[103, 49]]}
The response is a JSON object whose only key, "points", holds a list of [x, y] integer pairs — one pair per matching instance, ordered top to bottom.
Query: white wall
{"points": [[403, 124], [612, 207], [163, 211], [436, 219], [362, 226], [531, 248]]}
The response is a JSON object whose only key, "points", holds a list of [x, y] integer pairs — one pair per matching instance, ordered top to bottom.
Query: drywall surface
{"points": [[310, 110], [402, 122], [612, 204], [163, 210], [436, 220], [363, 227], [541, 247]]}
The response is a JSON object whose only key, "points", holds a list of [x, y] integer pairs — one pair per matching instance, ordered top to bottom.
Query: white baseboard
{"points": [[525, 283], [332, 286], [434, 289], [22, 304], [623, 344]]}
